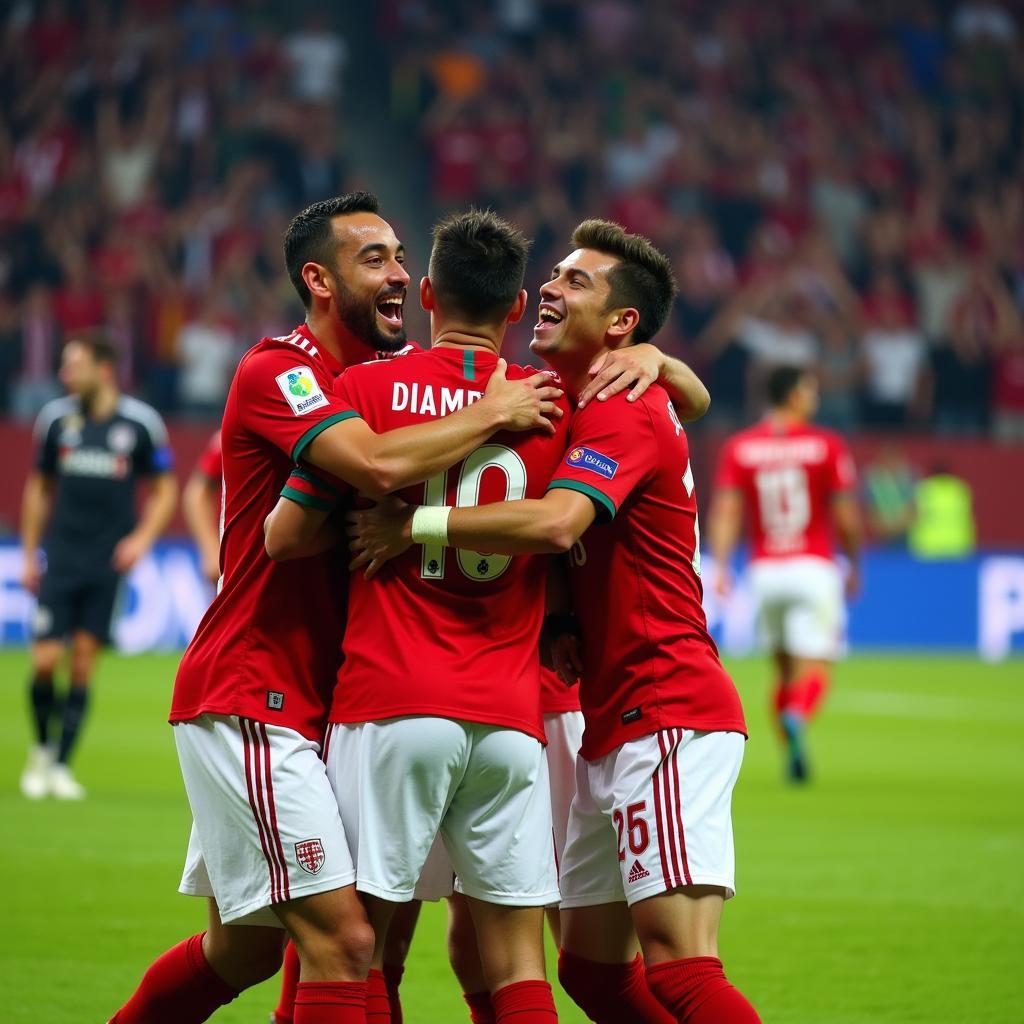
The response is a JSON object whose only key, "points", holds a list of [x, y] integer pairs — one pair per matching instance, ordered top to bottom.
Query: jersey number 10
{"points": [[475, 565]]}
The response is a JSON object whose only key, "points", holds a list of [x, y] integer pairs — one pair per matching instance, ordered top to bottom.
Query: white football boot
{"points": [[35, 779], [63, 785]]}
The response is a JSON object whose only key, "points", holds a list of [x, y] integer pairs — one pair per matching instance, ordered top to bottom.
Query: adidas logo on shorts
{"points": [[636, 872]]}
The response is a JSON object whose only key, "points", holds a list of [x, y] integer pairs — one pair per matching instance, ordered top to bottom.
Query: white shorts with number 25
{"points": [[650, 816]]}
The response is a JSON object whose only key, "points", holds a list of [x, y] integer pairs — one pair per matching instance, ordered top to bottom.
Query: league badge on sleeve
{"points": [[301, 390], [588, 458]]}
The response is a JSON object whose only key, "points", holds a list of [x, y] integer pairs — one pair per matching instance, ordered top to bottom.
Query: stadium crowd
{"points": [[839, 185]]}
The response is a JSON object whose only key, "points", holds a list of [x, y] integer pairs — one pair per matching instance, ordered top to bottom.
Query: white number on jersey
{"points": [[688, 484], [784, 502], [475, 565]]}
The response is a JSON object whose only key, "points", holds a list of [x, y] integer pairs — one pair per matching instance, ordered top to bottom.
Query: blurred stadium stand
{"points": [[839, 184]]}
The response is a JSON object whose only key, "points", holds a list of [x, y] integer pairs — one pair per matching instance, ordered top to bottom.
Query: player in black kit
{"points": [[94, 445]]}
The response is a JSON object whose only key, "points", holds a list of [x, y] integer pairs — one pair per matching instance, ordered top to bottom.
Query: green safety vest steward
{"points": [[944, 527]]}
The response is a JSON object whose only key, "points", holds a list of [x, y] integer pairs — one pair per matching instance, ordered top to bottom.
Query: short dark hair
{"points": [[309, 238], [477, 264], [643, 278], [100, 347], [781, 382]]}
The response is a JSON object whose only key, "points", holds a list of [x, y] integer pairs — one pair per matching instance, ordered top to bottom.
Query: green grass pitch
{"points": [[890, 890]]}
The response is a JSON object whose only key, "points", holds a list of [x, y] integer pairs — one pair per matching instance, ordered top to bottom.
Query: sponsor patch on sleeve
{"points": [[301, 390], [588, 458]]}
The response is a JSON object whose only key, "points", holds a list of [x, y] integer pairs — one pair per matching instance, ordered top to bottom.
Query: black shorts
{"points": [[66, 606]]}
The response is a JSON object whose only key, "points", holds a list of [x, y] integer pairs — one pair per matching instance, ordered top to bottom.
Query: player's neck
{"points": [[466, 336], [343, 344], [574, 373], [101, 404], [785, 419]]}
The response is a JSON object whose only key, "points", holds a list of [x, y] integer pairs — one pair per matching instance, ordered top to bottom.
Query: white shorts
{"points": [[800, 606], [564, 732], [401, 782], [653, 815], [266, 827]]}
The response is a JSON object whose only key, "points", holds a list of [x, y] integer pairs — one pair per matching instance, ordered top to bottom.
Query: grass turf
{"points": [[889, 890]]}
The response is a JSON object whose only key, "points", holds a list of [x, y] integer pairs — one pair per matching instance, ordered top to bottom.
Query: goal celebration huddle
{"points": [[458, 649]]}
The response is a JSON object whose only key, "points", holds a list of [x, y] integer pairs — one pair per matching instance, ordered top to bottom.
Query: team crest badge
{"points": [[121, 438], [310, 855]]}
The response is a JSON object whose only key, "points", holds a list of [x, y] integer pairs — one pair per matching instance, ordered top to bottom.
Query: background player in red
{"points": [[795, 482], [200, 502], [252, 689], [650, 835]]}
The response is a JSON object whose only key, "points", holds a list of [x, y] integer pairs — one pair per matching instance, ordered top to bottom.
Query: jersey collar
{"points": [[318, 351]]}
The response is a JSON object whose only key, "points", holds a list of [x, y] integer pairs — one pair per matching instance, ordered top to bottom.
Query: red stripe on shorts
{"points": [[326, 745], [256, 806], [679, 807], [273, 811], [659, 821], [677, 878]]}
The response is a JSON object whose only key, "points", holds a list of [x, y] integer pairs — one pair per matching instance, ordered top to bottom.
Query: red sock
{"points": [[813, 688], [802, 696], [393, 978], [180, 987], [698, 992], [610, 993], [330, 1002], [524, 1002], [378, 1006], [480, 1009], [285, 1012]]}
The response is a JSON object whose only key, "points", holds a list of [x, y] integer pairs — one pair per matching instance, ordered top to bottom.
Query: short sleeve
{"points": [[286, 400], [46, 437], [611, 451], [153, 454], [727, 473], [311, 490]]}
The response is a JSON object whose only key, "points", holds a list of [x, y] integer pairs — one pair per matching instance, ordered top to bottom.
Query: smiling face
{"points": [[369, 280], [573, 316]]}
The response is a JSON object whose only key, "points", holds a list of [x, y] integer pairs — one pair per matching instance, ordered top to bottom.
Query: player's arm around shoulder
{"points": [[638, 367], [377, 464]]}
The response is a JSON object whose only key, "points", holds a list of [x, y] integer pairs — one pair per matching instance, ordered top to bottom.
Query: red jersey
{"points": [[209, 463], [788, 477], [442, 632], [267, 647], [649, 662], [555, 697]]}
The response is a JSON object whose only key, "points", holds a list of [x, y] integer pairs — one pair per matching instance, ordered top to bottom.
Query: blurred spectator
{"points": [[317, 56], [207, 352], [895, 357], [889, 488], [943, 526]]}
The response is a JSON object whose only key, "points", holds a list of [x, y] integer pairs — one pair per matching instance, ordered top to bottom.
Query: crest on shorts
{"points": [[310, 855]]}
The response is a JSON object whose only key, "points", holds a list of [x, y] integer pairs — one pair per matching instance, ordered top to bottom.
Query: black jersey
{"points": [[95, 465]]}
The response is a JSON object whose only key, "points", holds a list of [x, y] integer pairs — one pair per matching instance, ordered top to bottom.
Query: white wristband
{"points": [[430, 524]]}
